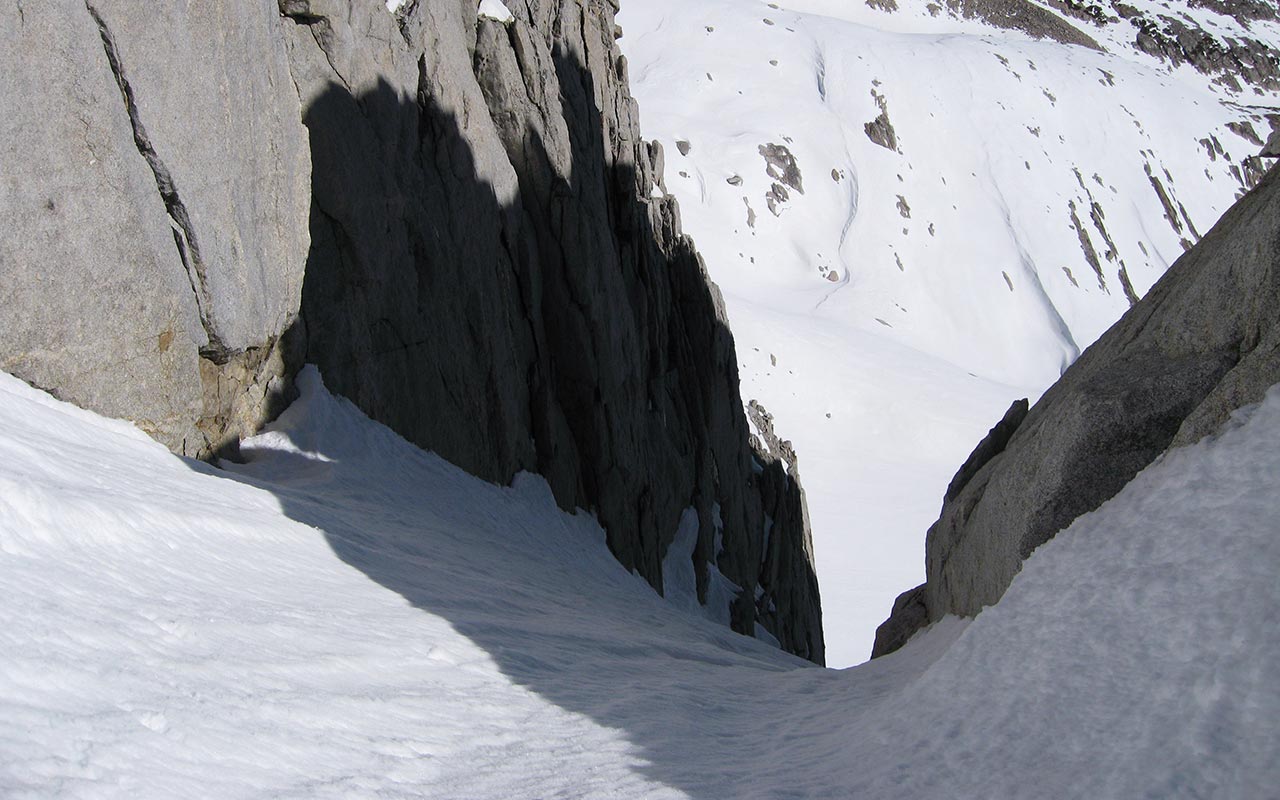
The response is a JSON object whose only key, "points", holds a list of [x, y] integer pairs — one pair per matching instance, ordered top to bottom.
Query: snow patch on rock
{"points": [[495, 10]]}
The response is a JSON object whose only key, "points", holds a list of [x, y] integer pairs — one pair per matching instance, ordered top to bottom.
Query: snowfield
{"points": [[916, 220], [347, 616]]}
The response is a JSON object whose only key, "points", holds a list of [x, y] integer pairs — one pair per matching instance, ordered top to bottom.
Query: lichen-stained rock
{"points": [[1203, 342]]}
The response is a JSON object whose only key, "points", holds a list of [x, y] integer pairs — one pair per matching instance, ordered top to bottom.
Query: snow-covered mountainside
{"points": [[917, 217], [347, 616]]}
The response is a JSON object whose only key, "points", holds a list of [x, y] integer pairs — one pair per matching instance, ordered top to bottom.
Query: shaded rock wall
{"points": [[454, 217], [1203, 342]]}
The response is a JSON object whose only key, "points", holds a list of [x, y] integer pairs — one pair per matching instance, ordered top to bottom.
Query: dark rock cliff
{"points": [[1238, 62], [454, 217], [1202, 343]]}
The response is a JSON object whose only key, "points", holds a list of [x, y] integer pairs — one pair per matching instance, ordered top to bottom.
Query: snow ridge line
{"points": [[184, 235]]}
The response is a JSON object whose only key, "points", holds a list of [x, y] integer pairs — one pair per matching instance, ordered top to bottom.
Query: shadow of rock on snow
{"points": [[498, 294], [547, 327], [707, 711]]}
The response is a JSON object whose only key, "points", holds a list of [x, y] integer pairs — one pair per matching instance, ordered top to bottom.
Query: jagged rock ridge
{"points": [[1244, 57], [491, 268]]}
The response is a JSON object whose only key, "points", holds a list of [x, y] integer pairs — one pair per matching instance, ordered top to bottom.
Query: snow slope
{"points": [[904, 291], [347, 616]]}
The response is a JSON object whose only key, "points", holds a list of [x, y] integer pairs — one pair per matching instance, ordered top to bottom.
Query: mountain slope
{"points": [[916, 218], [1204, 341], [347, 615]]}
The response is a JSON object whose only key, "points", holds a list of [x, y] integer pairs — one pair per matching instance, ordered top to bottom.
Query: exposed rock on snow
{"points": [[1024, 16], [1177, 41], [1223, 43], [880, 130], [781, 165], [1203, 342], [768, 441]]}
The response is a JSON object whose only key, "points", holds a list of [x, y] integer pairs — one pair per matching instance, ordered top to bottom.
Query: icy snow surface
{"points": [[889, 309], [347, 616]]}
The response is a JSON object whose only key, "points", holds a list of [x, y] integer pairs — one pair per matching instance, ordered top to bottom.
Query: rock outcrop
{"points": [[1024, 16], [1245, 58], [1231, 60], [454, 217], [1203, 342]]}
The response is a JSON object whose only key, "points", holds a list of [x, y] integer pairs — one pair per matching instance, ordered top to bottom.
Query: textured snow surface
{"points": [[890, 308], [347, 616]]}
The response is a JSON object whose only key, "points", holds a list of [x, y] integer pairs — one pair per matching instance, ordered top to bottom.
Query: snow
{"points": [[487, 9], [495, 9], [909, 296], [345, 615]]}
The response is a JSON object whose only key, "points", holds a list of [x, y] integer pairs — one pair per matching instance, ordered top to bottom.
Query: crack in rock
{"points": [[184, 236]]}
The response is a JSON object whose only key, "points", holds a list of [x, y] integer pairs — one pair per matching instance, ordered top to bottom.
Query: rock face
{"points": [[1025, 16], [1239, 58], [1231, 59], [1272, 147], [156, 204], [453, 216], [1203, 342]]}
